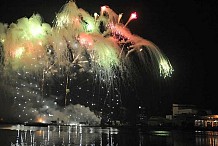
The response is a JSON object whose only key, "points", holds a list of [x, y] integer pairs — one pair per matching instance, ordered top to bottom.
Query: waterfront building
{"points": [[207, 121]]}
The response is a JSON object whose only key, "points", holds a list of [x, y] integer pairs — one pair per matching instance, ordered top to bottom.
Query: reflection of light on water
{"points": [[73, 123], [80, 129], [91, 130], [113, 130], [59, 131], [109, 132], [39, 133], [161, 133], [69, 134], [64, 135], [98, 136], [22, 138], [206, 138]]}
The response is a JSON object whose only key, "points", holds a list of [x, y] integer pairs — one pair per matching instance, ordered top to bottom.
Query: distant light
{"points": [[50, 115], [40, 120]]}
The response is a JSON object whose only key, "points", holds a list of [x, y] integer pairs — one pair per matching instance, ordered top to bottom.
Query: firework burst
{"points": [[34, 56]]}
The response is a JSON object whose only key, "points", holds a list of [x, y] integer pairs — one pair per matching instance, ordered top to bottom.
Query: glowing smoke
{"points": [[32, 53]]}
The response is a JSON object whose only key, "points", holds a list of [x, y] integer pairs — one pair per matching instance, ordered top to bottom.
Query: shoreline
{"points": [[139, 127]]}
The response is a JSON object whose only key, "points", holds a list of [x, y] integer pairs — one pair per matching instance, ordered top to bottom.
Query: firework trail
{"points": [[42, 62]]}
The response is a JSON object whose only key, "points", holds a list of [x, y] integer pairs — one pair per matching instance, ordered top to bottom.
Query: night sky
{"points": [[186, 32]]}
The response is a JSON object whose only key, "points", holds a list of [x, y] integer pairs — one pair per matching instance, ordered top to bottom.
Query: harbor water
{"points": [[75, 135]]}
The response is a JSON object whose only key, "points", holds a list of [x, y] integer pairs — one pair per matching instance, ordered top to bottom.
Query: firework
{"points": [[38, 55]]}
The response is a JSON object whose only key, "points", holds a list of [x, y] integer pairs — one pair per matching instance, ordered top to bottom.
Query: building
{"points": [[179, 109], [189, 116], [209, 121]]}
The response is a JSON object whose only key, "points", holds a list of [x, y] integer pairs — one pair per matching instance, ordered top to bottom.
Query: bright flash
{"points": [[133, 16], [36, 31], [19, 52], [40, 120]]}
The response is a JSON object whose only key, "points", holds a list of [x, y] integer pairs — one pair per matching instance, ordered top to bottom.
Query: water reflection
{"points": [[20, 135], [63, 136], [155, 138], [207, 138]]}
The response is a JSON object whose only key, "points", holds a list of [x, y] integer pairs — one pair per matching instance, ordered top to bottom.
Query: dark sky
{"points": [[185, 30]]}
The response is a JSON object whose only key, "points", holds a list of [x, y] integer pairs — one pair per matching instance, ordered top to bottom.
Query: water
{"points": [[18, 135]]}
